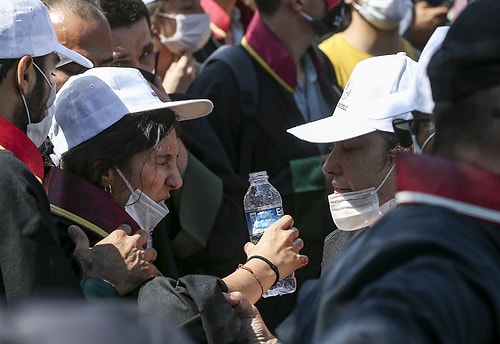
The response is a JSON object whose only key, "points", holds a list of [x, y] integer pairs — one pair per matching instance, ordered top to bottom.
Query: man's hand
{"points": [[426, 19], [180, 74], [119, 259], [253, 324]]}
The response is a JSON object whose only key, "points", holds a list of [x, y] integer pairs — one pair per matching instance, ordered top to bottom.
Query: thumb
{"points": [[79, 237], [248, 245]]}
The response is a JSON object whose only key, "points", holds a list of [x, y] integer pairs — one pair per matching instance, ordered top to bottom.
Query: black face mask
{"points": [[330, 22]]}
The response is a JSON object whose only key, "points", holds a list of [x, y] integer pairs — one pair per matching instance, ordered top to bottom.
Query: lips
{"points": [[339, 189]]}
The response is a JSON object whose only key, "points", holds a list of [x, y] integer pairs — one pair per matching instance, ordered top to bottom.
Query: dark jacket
{"points": [[32, 263], [427, 272]]}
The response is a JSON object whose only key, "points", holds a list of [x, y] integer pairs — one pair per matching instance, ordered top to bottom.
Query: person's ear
{"points": [[25, 75], [108, 178]]}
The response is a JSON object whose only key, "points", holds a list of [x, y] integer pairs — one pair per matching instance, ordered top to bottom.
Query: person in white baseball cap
{"points": [[27, 35], [120, 136], [361, 162], [32, 261]]}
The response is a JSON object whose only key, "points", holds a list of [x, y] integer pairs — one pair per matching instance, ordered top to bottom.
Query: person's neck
{"points": [[226, 5], [295, 34], [370, 40]]}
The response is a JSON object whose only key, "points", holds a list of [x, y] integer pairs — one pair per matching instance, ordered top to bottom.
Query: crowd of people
{"points": [[128, 130]]}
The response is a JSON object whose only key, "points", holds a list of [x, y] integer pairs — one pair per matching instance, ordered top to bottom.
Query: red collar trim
{"points": [[220, 20], [263, 45], [266, 48], [16, 141], [462, 187], [98, 213]]}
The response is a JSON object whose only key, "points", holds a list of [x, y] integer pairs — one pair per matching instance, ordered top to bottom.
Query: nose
{"points": [[331, 165], [174, 181]]}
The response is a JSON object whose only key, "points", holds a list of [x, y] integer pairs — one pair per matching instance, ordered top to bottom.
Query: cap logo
{"points": [[345, 95]]}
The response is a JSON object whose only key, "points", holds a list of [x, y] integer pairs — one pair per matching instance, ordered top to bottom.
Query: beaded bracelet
{"points": [[271, 265], [241, 266]]}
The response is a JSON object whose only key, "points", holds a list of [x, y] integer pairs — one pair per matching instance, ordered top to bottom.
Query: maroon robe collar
{"points": [[263, 45], [16, 141], [436, 181], [82, 203]]}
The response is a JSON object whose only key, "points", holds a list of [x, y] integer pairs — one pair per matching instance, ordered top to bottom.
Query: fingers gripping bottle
{"points": [[263, 206]]}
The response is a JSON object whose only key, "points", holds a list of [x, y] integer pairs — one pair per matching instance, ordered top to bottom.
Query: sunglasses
{"points": [[404, 128]]}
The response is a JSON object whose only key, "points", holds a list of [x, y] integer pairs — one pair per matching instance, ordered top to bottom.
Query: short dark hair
{"points": [[123, 13], [5, 66], [115, 146]]}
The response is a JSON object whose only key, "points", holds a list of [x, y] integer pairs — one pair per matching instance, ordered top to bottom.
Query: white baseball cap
{"points": [[26, 29], [377, 92], [421, 92], [91, 102]]}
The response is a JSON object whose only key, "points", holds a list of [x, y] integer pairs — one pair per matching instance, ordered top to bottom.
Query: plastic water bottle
{"points": [[263, 206]]}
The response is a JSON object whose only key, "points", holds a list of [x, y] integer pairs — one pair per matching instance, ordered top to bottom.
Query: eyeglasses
{"points": [[404, 128]]}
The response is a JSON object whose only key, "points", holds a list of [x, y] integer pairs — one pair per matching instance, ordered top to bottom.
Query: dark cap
{"points": [[469, 59]]}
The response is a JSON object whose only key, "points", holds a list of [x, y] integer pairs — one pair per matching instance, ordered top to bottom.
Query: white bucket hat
{"points": [[26, 29], [377, 92], [91, 102]]}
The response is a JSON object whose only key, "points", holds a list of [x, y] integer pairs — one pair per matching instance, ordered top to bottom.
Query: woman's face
{"points": [[359, 163], [153, 171]]}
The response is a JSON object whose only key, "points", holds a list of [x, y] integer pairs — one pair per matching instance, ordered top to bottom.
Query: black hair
{"points": [[123, 13], [5, 66], [115, 146]]}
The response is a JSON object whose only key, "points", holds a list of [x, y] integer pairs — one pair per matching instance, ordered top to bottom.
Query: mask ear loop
{"points": [[426, 142], [385, 178], [127, 184]]}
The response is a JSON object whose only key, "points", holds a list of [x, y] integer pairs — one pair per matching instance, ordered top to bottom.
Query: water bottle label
{"points": [[258, 221]]}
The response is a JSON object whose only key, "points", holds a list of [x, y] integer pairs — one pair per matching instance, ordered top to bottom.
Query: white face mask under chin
{"points": [[384, 14], [191, 34], [37, 132], [357, 209], [146, 212]]}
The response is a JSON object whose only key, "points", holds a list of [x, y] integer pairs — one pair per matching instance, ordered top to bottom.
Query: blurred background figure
{"points": [[229, 20], [419, 23], [179, 28], [371, 28], [54, 322]]}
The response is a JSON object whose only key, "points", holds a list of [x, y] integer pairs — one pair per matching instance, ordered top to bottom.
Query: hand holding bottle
{"points": [[281, 245]]}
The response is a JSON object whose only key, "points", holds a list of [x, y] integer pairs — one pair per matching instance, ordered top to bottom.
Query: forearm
{"points": [[248, 283]]}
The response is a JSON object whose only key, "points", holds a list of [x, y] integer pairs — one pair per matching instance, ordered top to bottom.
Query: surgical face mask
{"points": [[384, 14], [330, 22], [191, 33], [37, 132], [416, 147], [357, 209], [146, 212]]}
